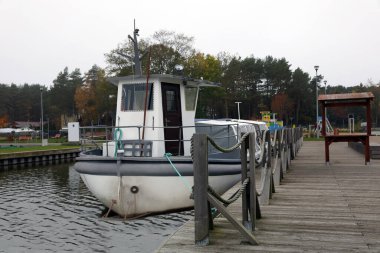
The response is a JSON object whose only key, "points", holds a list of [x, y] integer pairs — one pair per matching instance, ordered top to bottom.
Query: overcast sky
{"points": [[40, 37]]}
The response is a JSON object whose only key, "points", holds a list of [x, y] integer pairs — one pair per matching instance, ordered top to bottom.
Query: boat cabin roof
{"points": [[164, 77], [216, 122]]}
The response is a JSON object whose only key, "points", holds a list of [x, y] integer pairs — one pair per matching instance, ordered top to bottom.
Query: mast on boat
{"points": [[136, 59]]}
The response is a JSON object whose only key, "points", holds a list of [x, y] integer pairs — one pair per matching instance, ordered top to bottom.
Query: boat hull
{"points": [[140, 186], [131, 196]]}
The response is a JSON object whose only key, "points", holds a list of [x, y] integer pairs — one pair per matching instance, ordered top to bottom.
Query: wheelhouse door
{"points": [[171, 104]]}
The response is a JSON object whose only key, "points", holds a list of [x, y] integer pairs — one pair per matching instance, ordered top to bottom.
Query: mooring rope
{"points": [[117, 139], [279, 145], [216, 146], [225, 150], [167, 155], [262, 161], [234, 197], [113, 201]]}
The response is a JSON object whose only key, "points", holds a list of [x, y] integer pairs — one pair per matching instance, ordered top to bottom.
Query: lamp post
{"points": [[316, 97], [238, 106], [42, 120], [48, 127]]}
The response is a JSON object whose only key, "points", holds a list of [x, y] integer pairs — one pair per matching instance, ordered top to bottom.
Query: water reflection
{"points": [[49, 209]]}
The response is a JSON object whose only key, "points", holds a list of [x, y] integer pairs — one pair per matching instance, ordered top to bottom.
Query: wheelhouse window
{"points": [[133, 97], [191, 98]]}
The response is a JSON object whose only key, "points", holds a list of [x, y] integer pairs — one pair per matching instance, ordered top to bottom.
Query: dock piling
{"points": [[201, 205]]}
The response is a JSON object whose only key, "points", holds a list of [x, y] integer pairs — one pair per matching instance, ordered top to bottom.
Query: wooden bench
{"points": [[57, 136], [24, 138]]}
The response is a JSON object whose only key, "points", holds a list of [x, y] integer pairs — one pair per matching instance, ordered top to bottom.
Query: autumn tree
{"points": [[167, 49], [207, 67], [95, 100], [85, 101], [283, 106], [4, 121]]}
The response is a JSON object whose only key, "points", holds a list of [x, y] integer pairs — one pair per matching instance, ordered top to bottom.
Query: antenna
{"points": [[136, 59]]}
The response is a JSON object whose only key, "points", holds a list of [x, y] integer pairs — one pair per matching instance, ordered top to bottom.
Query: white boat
{"points": [[155, 116]]}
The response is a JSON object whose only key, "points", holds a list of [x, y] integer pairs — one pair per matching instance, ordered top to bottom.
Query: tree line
{"points": [[261, 84], [88, 98]]}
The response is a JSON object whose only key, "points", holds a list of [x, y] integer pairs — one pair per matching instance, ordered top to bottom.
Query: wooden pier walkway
{"points": [[316, 208]]}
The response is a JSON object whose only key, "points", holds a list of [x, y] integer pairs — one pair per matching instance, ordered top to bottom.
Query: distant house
{"points": [[67, 118], [29, 124]]}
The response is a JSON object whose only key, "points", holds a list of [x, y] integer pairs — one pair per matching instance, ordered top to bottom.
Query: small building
{"points": [[345, 100]]}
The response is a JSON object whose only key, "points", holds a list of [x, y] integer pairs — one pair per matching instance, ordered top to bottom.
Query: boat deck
{"points": [[317, 208]]}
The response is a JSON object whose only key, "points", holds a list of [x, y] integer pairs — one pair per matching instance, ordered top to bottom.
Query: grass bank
{"points": [[15, 149]]}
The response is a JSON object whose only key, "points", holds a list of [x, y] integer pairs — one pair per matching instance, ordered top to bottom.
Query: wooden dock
{"points": [[317, 208]]}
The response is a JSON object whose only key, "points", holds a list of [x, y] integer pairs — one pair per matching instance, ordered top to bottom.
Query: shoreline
{"points": [[38, 157]]}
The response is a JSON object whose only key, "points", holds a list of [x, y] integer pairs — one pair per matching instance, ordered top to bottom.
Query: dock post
{"points": [[292, 144], [289, 148], [367, 151], [283, 152], [277, 164], [270, 166], [252, 181], [266, 193], [245, 200], [201, 206]]}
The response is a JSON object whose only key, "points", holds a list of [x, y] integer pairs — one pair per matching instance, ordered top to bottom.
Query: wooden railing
{"points": [[277, 151]]}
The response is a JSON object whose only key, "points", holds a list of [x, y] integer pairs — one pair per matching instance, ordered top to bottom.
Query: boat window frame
{"points": [[133, 91], [191, 98]]}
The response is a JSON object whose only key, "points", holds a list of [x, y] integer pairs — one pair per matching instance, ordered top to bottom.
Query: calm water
{"points": [[49, 209]]}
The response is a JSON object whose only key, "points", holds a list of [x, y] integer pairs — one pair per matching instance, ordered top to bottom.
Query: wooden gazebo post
{"points": [[369, 126]]}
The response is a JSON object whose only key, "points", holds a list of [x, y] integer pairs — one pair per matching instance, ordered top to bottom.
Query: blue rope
{"points": [[117, 138], [167, 155]]}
